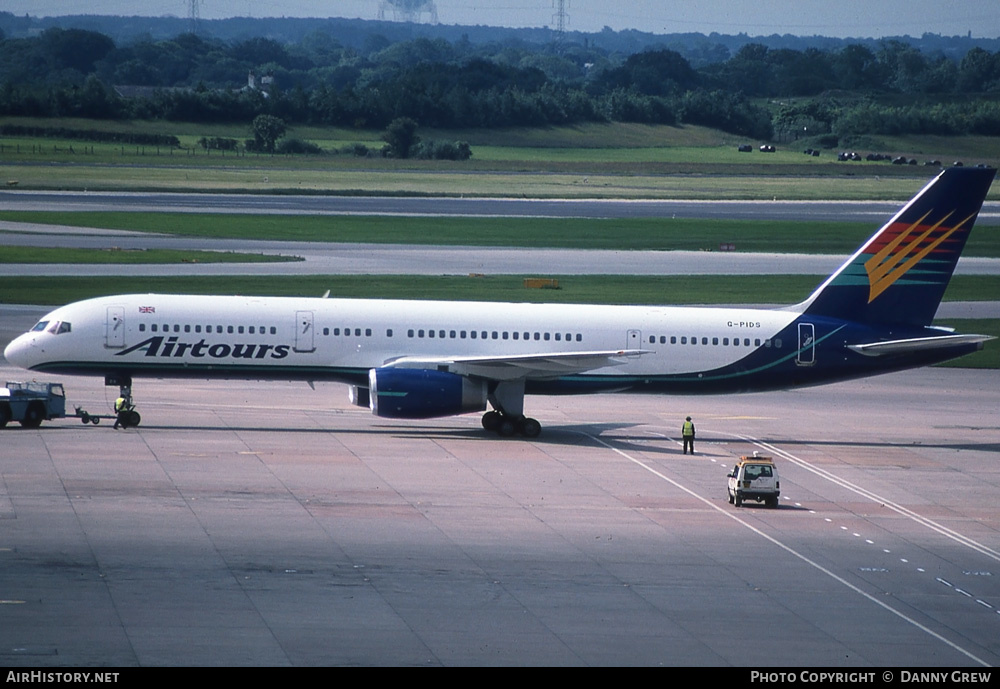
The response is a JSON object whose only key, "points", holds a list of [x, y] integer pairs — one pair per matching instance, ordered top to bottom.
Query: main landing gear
{"points": [[507, 417], [506, 426]]}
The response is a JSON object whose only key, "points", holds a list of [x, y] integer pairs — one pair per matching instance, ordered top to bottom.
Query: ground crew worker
{"points": [[121, 410], [687, 432]]}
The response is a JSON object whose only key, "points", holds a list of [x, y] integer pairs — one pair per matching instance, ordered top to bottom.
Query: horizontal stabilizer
{"points": [[917, 344], [528, 366]]}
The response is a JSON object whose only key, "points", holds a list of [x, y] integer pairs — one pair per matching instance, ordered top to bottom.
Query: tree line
{"points": [[757, 92]]}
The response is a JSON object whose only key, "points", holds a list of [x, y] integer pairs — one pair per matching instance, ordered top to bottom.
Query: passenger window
{"points": [[142, 327], [240, 330], [388, 333], [684, 340]]}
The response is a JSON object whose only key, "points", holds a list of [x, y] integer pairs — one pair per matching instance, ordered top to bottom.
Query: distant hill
{"points": [[698, 49]]}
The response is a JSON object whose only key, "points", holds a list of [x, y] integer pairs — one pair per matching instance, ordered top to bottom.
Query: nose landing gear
{"points": [[125, 414]]}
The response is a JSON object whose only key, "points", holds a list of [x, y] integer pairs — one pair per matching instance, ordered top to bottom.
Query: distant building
{"points": [[264, 84]]}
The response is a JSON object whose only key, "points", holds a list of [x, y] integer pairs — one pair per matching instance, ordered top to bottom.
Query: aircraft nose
{"points": [[19, 351]]}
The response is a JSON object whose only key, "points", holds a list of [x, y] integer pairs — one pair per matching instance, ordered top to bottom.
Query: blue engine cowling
{"points": [[416, 393]]}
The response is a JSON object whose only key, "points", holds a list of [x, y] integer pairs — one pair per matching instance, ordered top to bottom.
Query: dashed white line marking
{"points": [[788, 549]]}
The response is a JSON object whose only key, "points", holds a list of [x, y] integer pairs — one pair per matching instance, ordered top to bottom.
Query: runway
{"points": [[839, 211], [271, 524]]}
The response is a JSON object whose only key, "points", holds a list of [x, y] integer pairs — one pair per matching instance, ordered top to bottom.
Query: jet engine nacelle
{"points": [[415, 393]]}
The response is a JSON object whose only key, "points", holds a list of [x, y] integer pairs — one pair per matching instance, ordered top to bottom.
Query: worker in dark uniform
{"points": [[121, 412], [687, 433]]}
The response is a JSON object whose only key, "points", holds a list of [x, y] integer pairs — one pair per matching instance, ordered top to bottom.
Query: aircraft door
{"points": [[114, 328], [633, 339], [305, 340], [806, 355]]}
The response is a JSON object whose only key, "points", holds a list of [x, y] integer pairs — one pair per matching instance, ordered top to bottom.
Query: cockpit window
{"points": [[40, 326], [57, 327]]}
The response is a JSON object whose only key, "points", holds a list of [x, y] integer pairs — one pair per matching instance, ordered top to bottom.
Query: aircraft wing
{"points": [[916, 344], [517, 366]]}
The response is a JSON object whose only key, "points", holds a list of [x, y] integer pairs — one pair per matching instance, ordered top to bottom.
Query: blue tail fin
{"points": [[901, 273]]}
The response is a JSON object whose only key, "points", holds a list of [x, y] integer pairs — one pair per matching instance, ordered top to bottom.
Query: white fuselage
{"points": [[274, 337]]}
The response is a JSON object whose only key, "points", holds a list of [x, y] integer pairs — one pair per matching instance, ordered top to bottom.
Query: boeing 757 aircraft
{"points": [[424, 359]]}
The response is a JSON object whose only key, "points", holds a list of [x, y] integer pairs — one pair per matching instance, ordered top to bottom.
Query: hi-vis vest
{"points": [[688, 429]]}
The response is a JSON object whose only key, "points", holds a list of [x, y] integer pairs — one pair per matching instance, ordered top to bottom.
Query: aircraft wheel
{"points": [[491, 420], [506, 428], [530, 428]]}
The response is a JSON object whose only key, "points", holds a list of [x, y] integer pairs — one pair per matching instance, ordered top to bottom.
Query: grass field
{"points": [[587, 161], [626, 234], [25, 254], [573, 289]]}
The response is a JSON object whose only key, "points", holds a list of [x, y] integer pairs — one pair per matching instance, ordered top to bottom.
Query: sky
{"points": [[837, 18]]}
